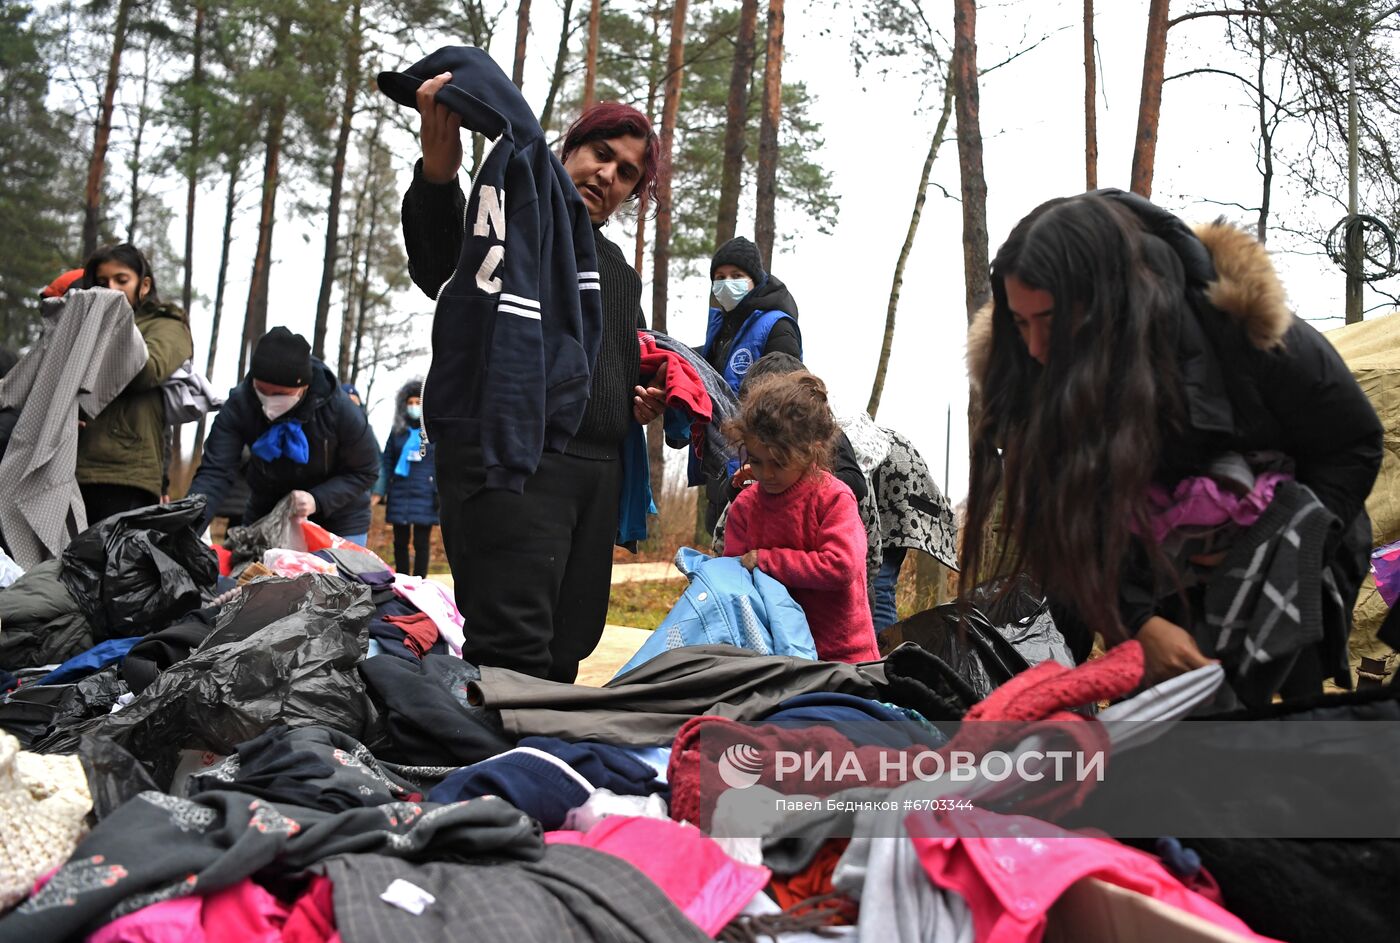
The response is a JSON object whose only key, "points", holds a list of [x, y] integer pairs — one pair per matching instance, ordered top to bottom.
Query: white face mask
{"points": [[730, 291], [274, 406]]}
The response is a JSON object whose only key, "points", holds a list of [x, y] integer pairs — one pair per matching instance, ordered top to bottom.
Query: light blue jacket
{"points": [[727, 605]]}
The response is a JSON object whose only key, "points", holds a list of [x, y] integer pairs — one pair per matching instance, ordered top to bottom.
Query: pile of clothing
{"points": [[308, 757]]}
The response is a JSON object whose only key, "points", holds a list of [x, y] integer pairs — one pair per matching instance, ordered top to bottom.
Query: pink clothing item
{"points": [[1199, 502], [810, 539], [292, 563], [1385, 564], [434, 601], [690, 867], [1010, 869], [243, 913], [312, 919], [170, 921]]}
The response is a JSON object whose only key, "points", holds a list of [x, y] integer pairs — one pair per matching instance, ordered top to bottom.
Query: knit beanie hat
{"points": [[741, 253], [282, 358], [44, 802]]}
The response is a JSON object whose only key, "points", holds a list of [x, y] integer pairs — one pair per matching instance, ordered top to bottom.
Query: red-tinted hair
{"points": [[607, 120]]}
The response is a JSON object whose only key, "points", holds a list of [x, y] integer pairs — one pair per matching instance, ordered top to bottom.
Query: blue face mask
{"points": [[730, 291], [414, 412]]}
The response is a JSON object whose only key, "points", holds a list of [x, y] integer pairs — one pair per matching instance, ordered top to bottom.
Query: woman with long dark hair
{"points": [[1166, 448], [121, 451]]}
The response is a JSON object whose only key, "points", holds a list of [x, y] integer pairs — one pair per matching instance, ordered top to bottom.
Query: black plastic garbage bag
{"points": [[280, 528], [134, 572], [1022, 615], [999, 635], [963, 640], [284, 652], [36, 711], [114, 775]]}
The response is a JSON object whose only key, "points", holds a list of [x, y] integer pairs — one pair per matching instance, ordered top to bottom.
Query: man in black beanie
{"points": [[307, 440]]}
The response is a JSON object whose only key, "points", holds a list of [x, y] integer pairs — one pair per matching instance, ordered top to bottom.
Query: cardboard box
{"points": [[1094, 911]]}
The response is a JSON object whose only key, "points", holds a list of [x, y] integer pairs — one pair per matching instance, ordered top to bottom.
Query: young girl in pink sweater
{"points": [[797, 522]]}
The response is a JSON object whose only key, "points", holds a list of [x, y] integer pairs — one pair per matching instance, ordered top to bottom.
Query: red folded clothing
{"points": [[684, 388], [420, 629]]}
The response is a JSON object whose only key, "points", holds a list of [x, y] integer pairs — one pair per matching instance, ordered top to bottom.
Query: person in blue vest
{"points": [[754, 314], [408, 482]]}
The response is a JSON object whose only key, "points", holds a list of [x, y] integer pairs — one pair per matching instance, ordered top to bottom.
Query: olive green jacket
{"points": [[125, 443]]}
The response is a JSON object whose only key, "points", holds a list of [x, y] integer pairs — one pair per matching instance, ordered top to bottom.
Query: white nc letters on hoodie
{"points": [[491, 215]]}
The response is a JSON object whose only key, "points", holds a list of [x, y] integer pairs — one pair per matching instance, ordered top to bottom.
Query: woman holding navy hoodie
{"points": [[533, 569]]}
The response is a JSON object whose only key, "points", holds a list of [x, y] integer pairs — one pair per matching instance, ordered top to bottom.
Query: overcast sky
{"points": [[876, 139]]}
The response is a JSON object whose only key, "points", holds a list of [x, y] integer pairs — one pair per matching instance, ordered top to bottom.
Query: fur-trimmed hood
{"points": [[1245, 287], [413, 387]]}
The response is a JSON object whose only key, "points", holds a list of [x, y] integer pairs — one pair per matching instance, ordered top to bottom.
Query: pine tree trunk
{"points": [[522, 36], [561, 55], [1154, 64], [590, 73], [653, 81], [670, 111], [142, 117], [1091, 117], [735, 124], [342, 146], [97, 165], [235, 168], [192, 174], [973, 180], [764, 226], [640, 247], [661, 254], [363, 314], [255, 317], [351, 323], [877, 389]]}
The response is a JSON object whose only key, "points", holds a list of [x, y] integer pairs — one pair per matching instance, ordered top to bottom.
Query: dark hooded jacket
{"points": [[724, 326], [1254, 378], [343, 464], [412, 499]]}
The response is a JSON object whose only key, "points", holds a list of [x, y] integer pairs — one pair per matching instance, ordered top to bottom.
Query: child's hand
{"points": [[743, 477], [750, 560]]}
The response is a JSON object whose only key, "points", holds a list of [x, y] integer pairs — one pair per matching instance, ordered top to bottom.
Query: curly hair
{"points": [[789, 414]]}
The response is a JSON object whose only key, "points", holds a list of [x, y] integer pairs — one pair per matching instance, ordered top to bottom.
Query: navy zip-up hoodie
{"points": [[518, 325]]}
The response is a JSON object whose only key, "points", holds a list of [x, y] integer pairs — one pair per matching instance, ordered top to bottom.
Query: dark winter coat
{"points": [[1254, 378], [125, 443], [343, 465], [411, 500]]}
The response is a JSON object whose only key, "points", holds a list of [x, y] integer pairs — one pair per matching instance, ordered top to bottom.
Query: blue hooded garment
{"points": [[726, 604]]}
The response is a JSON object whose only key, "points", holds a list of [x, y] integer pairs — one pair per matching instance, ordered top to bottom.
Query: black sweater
{"points": [[433, 227]]}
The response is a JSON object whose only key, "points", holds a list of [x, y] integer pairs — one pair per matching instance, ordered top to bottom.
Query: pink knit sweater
{"points": [[810, 539]]}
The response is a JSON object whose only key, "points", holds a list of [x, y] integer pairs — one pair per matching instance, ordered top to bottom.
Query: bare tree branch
{"points": [[1198, 14], [1019, 53]]}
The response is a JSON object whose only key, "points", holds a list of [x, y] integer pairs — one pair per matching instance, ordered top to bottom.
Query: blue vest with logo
{"points": [[748, 343]]}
